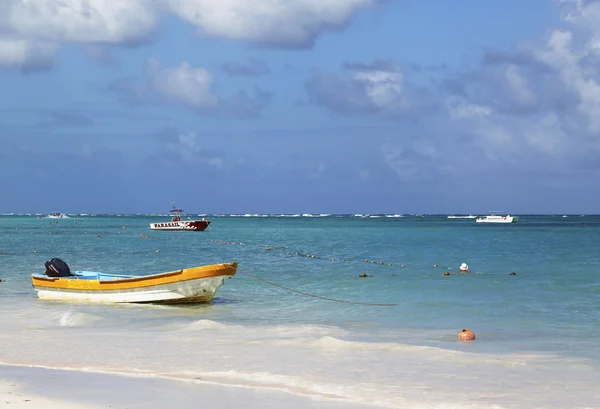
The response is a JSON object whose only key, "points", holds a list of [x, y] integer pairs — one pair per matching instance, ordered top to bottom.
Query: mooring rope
{"points": [[313, 295]]}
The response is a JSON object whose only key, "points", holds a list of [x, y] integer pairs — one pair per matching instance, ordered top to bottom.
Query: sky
{"points": [[300, 106]]}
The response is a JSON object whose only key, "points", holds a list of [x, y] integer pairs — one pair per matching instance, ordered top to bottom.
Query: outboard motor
{"points": [[57, 268]]}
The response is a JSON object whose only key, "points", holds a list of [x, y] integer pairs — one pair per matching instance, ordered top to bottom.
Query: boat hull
{"points": [[499, 219], [184, 225], [194, 285]]}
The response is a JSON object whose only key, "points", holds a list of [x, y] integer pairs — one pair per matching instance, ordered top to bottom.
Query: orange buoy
{"points": [[447, 273], [466, 335]]}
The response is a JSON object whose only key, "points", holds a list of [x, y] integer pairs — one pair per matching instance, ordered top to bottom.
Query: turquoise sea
{"points": [[538, 331]]}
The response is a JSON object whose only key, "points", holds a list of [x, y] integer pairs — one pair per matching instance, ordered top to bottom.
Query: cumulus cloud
{"points": [[90, 21], [278, 22], [31, 31], [27, 55], [190, 86], [377, 89], [535, 108]]}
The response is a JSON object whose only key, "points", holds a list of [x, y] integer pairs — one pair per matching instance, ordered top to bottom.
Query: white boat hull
{"points": [[497, 219], [182, 225], [200, 290]]}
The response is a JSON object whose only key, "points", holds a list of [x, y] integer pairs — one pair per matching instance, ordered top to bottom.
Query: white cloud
{"points": [[583, 13], [89, 21], [117, 22], [281, 22], [31, 31], [19, 53], [563, 56], [191, 86], [383, 88], [368, 90], [540, 104], [186, 145]]}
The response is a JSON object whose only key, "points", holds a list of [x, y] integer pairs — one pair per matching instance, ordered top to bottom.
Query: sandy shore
{"points": [[39, 388]]}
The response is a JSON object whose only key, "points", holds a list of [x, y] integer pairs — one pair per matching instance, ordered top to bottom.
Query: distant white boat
{"points": [[57, 215], [462, 217], [497, 217]]}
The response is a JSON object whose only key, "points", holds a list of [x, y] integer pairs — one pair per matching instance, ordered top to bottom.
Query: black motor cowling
{"points": [[57, 268]]}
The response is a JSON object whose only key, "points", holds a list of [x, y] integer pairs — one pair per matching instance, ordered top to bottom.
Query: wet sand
{"points": [[39, 388]]}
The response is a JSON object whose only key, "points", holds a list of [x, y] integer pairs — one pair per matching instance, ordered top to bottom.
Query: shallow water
{"points": [[538, 331]]}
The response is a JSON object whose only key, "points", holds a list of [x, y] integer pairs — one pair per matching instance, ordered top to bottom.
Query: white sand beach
{"points": [[39, 388]]}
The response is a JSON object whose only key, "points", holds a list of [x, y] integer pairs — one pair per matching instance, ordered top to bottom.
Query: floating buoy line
{"points": [[268, 247], [300, 254], [314, 295]]}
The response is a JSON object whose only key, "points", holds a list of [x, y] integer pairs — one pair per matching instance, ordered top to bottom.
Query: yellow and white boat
{"points": [[188, 285]]}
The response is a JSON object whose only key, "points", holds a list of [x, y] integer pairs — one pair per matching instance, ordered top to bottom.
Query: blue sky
{"points": [[323, 106]]}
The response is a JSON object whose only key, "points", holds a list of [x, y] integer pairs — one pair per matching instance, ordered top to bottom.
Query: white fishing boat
{"points": [[497, 217], [187, 285]]}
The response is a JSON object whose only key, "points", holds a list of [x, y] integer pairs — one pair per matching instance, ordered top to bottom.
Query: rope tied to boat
{"points": [[314, 295]]}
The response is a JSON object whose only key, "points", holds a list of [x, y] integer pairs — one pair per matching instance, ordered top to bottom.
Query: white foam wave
{"points": [[73, 318], [208, 324]]}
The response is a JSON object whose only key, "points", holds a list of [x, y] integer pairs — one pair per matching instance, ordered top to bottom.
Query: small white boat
{"points": [[57, 215], [462, 217], [497, 217], [176, 224], [188, 285]]}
